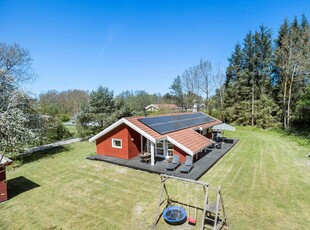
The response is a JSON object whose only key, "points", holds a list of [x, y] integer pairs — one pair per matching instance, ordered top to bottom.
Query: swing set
{"points": [[174, 210]]}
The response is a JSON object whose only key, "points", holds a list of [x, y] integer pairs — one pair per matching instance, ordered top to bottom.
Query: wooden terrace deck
{"points": [[209, 158]]}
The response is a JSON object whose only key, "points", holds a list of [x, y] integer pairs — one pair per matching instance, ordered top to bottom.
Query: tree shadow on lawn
{"points": [[301, 135], [36, 156], [19, 185]]}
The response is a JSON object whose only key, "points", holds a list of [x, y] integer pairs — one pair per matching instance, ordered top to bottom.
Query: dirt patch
{"points": [[122, 170]]}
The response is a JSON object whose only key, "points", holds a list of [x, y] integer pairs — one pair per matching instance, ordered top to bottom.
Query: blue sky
{"points": [[134, 45]]}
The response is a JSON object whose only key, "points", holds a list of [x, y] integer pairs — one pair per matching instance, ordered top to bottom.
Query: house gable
{"points": [[118, 123], [128, 141]]}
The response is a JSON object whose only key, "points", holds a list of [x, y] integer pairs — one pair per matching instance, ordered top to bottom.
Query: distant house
{"points": [[163, 107], [160, 136], [3, 187]]}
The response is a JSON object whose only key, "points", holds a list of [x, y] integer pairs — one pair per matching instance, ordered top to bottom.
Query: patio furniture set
{"points": [[174, 164]]}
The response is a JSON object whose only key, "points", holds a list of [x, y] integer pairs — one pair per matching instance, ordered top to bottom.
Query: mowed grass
{"points": [[265, 181]]}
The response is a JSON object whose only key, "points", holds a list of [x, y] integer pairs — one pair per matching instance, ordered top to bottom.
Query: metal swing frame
{"points": [[214, 213]]}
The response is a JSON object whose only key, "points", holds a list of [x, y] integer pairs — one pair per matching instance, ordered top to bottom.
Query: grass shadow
{"points": [[299, 135], [36, 156], [20, 185]]}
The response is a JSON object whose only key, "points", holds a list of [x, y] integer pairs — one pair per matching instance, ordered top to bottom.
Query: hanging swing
{"points": [[175, 215], [192, 220]]}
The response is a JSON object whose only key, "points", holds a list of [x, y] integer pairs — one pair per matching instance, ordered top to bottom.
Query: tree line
{"points": [[266, 79], [266, 84]]}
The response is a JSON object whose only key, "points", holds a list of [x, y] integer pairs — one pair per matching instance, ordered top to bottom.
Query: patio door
{"points": [[164, 148], [160, 149]]}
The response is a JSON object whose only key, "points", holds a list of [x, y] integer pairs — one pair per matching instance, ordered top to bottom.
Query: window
{"points": [[204, 132], [116, 143], [160, 148], [169, 149]]}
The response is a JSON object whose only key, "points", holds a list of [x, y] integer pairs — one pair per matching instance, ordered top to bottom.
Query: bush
{"points": [[64, 117], [52, 130], [58, 132]]}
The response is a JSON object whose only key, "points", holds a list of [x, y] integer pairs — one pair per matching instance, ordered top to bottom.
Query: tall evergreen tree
{"points": [[264, 61], [235, 65], [291, 65], [248, 78], [234, 83], [177, 91]]}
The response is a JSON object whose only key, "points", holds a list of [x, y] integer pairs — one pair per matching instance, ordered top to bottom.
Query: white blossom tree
{"points": [[17, 125], [16, 128]]}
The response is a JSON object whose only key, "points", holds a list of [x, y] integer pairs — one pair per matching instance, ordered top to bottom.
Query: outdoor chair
{"points": [[230, 141], [174, 163], [186, 168]]}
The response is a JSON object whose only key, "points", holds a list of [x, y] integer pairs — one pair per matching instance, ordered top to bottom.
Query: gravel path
{"points": [[50, 146]]}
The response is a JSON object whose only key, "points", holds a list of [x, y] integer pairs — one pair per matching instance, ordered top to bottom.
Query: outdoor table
{"points": [[146, 157]]}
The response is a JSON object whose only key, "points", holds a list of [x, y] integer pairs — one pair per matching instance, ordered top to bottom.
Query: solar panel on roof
{"points": [[167, 124]]}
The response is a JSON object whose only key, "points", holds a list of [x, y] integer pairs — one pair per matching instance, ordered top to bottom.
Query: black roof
{"points": [[171, 123]]}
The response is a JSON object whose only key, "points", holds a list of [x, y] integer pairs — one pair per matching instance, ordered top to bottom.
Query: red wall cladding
{"points": [[130, 143], [180, 152], [2, 174], [3, 191]]}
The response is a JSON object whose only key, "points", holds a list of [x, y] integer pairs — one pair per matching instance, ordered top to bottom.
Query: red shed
{"points": [[160, 136], [3, 187]]}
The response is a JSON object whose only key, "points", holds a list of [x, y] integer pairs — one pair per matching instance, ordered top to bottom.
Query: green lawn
{"points": [[265, 182]]}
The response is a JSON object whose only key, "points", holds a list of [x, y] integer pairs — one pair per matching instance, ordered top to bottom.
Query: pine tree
{"points": [[264, 60], [250, 62], [235, 65], [291, 65], [232, 84], [177, 91]]}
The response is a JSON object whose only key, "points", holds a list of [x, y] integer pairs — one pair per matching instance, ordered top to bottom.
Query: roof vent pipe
{"points": [[144, 112]]}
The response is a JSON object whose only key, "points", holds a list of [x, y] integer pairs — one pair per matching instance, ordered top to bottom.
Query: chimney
{"points": [[195, 106], [144, 112]]}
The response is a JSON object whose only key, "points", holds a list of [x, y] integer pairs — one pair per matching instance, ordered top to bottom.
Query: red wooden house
{"points": [[161, 136], [3, 187]]}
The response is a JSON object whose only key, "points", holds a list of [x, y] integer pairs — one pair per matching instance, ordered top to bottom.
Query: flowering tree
{"points": [[17, 124], [16, 128]]}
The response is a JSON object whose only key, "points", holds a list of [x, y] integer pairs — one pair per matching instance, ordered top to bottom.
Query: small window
{"points": [[117, 143]]}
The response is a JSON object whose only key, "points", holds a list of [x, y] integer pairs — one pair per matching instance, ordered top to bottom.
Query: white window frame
{"points": [[115, 146], [171, 149], [160, 150]]}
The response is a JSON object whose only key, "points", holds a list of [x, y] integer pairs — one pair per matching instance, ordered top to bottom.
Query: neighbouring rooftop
{"points": [[4, 160]]}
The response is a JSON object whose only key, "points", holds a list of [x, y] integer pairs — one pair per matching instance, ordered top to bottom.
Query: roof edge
{"points": [[149, 106], [118, 123], [174, 142], [4, 161]]}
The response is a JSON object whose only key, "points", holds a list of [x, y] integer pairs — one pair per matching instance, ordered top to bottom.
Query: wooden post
{"points": [[141, 148], [165, 148], [152, 153], [206, 188], [158, 206]]}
